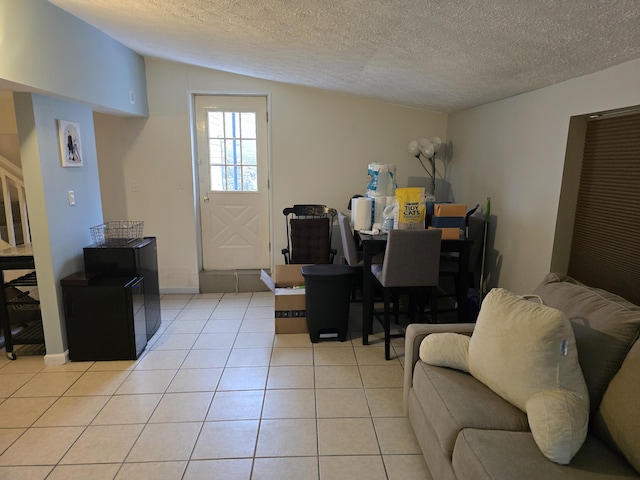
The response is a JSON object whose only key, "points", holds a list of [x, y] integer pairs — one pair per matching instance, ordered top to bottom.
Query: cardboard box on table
{"points": [[449, 210], [449, 217], [448, 233], [287, 284]]}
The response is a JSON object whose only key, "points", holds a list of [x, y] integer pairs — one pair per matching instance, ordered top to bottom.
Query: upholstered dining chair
{"points": [[349, 245], [350, 251], [352, 255], [411, 264]]}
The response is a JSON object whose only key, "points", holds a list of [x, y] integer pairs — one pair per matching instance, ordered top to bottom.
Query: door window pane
{"points": [[232, 124], [215, 125], [248, 125], [232, 151], [216, 153], [249, 156], [217, 178], [234, 178], [250, 179]]}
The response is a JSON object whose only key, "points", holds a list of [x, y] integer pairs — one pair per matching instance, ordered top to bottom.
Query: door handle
{"points": [[205, 199]]}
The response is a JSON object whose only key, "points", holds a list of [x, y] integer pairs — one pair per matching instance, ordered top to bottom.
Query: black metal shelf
{"points": [[20, 317]]}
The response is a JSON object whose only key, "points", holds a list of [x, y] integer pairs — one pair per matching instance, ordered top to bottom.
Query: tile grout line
{"points": [[264, 389]]}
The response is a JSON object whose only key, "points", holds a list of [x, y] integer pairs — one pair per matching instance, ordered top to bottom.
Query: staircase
{"points": [[14, 221]]}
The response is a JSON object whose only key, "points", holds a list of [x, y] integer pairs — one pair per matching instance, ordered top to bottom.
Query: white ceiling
{"points": [[442, 55]]}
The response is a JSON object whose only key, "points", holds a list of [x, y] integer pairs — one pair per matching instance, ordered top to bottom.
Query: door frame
{"points": [[196, 167]]}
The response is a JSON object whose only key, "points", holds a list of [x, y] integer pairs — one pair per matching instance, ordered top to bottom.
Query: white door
{"points": [[233, 175]]}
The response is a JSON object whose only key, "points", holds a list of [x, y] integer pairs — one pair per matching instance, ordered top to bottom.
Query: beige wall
{"points": [[321, 144], [514, 151]]}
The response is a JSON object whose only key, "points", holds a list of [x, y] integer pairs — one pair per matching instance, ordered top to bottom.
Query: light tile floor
{"points": [[216, 395]]}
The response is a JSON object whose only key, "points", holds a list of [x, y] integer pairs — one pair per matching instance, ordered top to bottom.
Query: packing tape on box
{"points": [[447, 222]]}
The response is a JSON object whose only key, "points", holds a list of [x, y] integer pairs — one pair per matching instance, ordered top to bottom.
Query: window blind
{"points": [[605, 249]]}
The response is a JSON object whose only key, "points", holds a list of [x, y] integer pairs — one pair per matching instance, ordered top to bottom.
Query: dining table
{"points": [[374, 244]]}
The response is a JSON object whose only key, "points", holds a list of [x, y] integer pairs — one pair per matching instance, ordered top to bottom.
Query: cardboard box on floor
{"points": [[287, 284]]}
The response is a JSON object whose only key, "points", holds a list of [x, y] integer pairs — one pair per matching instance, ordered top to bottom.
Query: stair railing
{"points": [[11, 181]]}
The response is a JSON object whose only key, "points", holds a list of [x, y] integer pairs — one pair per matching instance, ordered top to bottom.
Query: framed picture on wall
{"points": [[70, 143]]}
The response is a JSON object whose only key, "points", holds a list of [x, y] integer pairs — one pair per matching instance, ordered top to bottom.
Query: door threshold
{"points": [[231, 281]]}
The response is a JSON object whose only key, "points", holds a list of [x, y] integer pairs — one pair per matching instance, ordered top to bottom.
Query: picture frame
{"points": [[70, 144]]}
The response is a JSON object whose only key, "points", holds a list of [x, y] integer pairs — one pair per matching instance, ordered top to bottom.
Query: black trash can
{"points": [[328, 294]]}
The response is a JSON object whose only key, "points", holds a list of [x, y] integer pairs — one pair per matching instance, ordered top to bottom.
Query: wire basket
{"points": [[117, 232]]}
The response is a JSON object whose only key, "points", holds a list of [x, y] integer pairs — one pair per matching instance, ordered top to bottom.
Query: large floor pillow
{"points": [[605, 327], [526, 353]]}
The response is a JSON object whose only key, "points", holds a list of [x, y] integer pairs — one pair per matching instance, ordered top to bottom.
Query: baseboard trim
{"points": [[180, 290]]}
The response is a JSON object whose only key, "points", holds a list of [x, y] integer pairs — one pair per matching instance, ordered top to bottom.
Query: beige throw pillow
{"points": [[521, 349], [449, 350]]}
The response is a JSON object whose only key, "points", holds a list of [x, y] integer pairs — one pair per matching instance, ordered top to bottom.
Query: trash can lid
{"points": [[326, 270]]}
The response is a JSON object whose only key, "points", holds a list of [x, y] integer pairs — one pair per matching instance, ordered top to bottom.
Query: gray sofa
{"points": [[466, 431]]}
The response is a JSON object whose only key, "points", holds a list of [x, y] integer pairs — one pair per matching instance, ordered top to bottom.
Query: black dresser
{"points": [[138, 258]]}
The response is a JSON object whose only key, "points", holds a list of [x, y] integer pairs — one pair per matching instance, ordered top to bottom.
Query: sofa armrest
{"points": [[414, 334]]}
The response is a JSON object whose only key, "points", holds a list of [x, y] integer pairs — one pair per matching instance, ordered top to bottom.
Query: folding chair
{"points": [[309, 234]]}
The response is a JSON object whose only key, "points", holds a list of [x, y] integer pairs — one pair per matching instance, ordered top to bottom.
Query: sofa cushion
{"points": [[605, 326], [446, 350], [525, 352], [452, 400], [617, 421], [501, 455], [439, 462]]}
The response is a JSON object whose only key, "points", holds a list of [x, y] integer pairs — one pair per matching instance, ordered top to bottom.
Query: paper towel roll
{"points": [[361, 213]]}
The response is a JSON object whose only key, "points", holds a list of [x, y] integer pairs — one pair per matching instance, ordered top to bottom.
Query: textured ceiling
{"points": [[442, 55]]}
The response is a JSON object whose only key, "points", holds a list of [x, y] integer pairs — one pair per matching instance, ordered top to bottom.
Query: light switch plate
{"points": [[72, 197]]}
